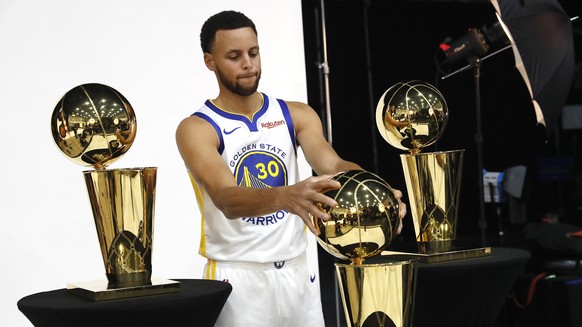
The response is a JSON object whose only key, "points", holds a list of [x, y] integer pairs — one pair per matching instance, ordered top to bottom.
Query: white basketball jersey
{"points": [[261, 153]]}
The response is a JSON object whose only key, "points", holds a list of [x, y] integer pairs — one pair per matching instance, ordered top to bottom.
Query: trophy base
{"points": [[434, 257], [100, 290]]}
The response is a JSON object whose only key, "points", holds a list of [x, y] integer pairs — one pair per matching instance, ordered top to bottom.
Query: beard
{"points": [[235, 87]]}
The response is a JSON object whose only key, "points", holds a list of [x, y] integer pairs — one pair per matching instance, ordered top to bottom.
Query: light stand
{"points": [[473, 47], [325, 68], [479, 142], [323, 259]]}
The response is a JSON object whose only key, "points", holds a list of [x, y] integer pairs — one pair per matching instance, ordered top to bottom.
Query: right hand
{"points": [[302, 199]]}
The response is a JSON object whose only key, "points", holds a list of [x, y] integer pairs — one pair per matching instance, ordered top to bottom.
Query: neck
{"points": [[244, 105]]}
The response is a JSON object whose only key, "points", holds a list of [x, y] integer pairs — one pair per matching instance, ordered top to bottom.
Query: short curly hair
{"points": [[225, 20]]}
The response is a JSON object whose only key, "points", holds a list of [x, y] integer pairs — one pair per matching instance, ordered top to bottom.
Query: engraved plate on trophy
{"points": [[411, 116], [94, 125], [362, 225]]}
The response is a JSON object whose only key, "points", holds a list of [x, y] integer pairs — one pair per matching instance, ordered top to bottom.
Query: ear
{"points": [[209, 61]]}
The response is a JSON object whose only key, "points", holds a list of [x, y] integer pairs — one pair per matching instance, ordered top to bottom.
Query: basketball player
{"points": [[241, 152]]}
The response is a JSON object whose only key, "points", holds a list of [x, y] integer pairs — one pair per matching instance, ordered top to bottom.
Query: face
{"points": [[236, 60]]}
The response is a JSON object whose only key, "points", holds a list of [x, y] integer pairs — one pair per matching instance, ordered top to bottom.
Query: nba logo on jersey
{"points": [[279, 264]]}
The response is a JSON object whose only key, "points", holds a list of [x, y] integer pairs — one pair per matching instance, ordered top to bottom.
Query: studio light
{"points": [[472, 44], [475, 44]]}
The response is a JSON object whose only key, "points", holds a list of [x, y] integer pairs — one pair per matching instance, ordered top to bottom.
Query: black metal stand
{"points": [[476, 63]]}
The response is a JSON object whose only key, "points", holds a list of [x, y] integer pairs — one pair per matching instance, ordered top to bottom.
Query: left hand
{"points": [[401, 211]]}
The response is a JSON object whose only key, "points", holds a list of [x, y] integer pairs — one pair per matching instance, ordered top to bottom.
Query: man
{"points": [[240, 150]]}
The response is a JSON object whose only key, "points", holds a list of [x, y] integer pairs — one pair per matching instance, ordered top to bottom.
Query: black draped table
{"points": [[466, 292], [198, 303]]}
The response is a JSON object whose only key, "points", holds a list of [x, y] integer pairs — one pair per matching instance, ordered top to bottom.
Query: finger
{"points": [[327, 185], [397, 194], [324, 200], [401, 210], [319, 213], [315, 221], [309, 222], [400, 225], [313, 229]]}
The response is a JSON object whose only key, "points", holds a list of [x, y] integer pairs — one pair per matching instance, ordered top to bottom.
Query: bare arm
{"points": [[198, 143], [319, 153]]}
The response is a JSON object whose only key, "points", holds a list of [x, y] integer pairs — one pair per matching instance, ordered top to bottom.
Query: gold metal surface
{"points": [[411, 115], [93, 125], [433, 182], [123, 208], [365, 220], [455, 254], [100, 290], [378, 294]]}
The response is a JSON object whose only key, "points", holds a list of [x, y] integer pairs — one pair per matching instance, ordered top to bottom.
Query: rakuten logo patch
{"points": [[273, 124]]}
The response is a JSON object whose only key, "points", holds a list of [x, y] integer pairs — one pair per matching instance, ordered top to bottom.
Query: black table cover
{"points": [[467, 292], [198, 303]]}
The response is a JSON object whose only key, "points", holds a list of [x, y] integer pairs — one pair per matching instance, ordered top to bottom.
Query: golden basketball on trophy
{"points": [[412, 116], [94, 125], [365, 220], [362, 225]]}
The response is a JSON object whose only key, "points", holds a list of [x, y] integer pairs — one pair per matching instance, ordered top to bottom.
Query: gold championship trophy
{"points": [[411, 116], [93, 125], [361, 226]]}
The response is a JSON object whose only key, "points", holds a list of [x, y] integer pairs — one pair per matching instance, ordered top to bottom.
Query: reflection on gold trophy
{"points": [[411, 116], [93, 125], [361, 226]]}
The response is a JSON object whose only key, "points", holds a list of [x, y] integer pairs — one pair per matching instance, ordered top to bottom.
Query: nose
{"points": [[246, 62]]}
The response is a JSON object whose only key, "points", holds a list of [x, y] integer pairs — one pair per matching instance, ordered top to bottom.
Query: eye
{"points": [[254, 53]]}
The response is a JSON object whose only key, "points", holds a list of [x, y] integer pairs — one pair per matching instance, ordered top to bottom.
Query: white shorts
{"points": [[268, 294]]}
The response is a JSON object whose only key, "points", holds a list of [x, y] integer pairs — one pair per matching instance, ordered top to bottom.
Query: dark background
{"points": [[373, 44]]}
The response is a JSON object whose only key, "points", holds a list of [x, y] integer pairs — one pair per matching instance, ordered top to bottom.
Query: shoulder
{"points": [[296, 105], [300, 110], [191, 122], [195, 128]]}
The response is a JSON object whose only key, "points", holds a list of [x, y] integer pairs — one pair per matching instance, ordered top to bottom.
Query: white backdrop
{"points": [[149, 51]]}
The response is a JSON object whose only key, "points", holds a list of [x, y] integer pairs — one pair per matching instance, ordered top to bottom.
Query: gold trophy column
{"points": [[412, 116], [94, 125], [433, 181], [123, 208], [364, 222], [377, 294]]}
